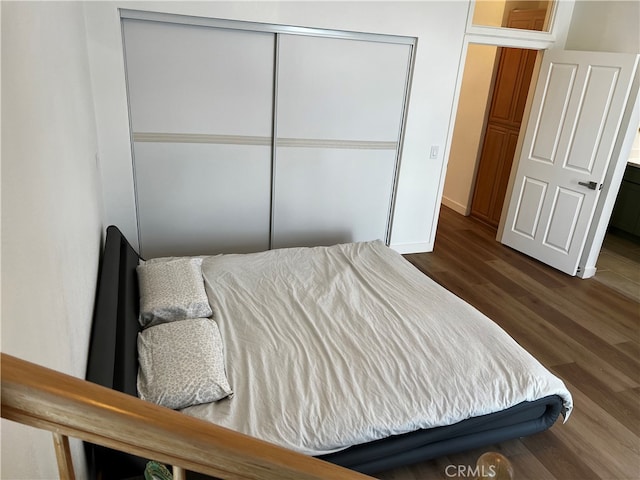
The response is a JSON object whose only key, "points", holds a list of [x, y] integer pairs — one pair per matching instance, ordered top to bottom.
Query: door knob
{"points": [[589, 185]]}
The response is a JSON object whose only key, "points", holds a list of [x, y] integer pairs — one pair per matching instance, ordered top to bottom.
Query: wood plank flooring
{"points": [[619, 265], [585, 332]]}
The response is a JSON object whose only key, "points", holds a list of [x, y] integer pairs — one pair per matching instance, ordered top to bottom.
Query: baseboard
{"points": [[455, 206], [405, 248], [587, 272]]}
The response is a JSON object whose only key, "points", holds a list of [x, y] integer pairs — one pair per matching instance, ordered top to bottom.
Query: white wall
{"points": [[605, 26], [439, 27], [468, 133], [634, 155], [51, 207]]}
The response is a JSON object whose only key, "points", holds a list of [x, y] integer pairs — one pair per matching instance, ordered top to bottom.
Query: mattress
{"points": [[329, 347]]}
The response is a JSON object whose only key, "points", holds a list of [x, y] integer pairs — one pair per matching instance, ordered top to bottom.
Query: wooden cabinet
{"points": [[511, 87], [626, 212]]}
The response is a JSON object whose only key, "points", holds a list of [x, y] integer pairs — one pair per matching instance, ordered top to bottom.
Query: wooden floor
{"points": [[618, 265], [585, 332]]}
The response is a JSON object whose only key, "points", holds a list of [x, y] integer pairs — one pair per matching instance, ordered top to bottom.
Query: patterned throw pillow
{"points": [[172, 290], [182, 363]]}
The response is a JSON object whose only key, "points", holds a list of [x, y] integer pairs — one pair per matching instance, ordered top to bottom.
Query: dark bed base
{"points": [[113, 363]]}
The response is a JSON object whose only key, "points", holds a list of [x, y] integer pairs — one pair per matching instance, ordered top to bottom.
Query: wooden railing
{"points": [[71, 407]]}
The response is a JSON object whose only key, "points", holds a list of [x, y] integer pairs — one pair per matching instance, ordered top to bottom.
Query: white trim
{"points": [[261, 27], [512, 34], [489, 37], [510, 37], [516, 38], [401, 134], [159, 137], [162, 137], [274, 137], [449, 141], [328, 143], [455, 206], [406, 248], [587, 273]]}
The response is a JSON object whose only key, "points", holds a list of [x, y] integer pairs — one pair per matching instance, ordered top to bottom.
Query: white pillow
{"points": [[172, 290], [182, 363]]}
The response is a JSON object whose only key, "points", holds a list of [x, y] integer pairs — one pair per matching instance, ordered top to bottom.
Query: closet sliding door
{"points": [[201, 109], [339, 111]]}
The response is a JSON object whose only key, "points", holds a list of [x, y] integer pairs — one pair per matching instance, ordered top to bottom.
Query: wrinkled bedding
{"points": [[328, 347]]}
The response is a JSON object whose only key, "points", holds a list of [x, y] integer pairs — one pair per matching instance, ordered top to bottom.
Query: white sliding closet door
{"points": [[201, 102], [338, 121]]}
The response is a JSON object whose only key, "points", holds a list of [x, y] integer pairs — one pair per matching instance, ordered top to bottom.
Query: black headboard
{"points": [[113, 357]]}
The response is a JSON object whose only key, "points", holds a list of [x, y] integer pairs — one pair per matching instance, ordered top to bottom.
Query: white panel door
{"points": [[201, 104], [575, 118], [338, 121]]}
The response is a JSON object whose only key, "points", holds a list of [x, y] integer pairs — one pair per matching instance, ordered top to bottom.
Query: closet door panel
{"points": [[199, 80], [333, 88], [201, 106], [338, 121], [328, 196], [202, 199]]}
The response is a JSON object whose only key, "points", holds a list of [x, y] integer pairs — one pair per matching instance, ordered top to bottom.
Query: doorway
{"points": [[495, 85], [493, 94], [506, 108], [568, 260], [618, 264]]}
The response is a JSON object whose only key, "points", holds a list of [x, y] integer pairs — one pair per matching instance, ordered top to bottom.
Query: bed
{"points": [[347, 353]]}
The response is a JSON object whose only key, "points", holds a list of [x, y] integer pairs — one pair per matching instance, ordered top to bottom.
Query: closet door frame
{"points": [[277, 30]]}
